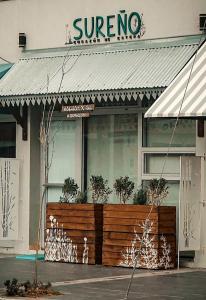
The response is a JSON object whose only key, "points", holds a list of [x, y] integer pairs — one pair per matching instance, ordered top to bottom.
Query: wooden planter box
{"points": [[74, 233], [123, 236]]}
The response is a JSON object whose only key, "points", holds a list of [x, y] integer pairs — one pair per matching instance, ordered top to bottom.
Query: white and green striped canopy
{"points": [[186, 95]]}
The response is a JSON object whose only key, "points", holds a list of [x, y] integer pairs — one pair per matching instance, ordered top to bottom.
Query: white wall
{"points": [[44, 20]]}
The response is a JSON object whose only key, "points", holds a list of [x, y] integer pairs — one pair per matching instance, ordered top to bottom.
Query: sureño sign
{"points": [[109, 26]]}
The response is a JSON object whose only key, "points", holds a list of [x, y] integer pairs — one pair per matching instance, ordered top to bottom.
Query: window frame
{"points": [[167, 176]]}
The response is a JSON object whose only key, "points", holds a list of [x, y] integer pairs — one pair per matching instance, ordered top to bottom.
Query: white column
{"points": [[23, 153], [200, 256]]}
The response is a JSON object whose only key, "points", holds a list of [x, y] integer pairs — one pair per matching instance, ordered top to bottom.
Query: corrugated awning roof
{"points": [[99, 71], [186, 95]]}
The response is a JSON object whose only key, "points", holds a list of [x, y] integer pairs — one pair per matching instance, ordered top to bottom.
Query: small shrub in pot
{"points": [[99, 188], [123, 188], [70, 190], [157, 191], [140, 197]]}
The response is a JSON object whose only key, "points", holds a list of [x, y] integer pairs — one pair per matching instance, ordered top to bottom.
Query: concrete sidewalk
{"points": [[82, 282]]}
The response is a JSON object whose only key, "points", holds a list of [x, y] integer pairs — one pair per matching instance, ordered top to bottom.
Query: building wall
{"points": [[44, 21]]}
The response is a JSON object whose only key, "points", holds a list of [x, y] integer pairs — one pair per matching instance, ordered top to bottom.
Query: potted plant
{"points": [[99, 188], [123, 188], [69, 190], [156, 191], [140, 197], [74, 227], [142, 234]]}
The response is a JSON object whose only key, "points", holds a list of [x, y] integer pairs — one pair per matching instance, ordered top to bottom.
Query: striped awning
{"points": [[186, 95]]}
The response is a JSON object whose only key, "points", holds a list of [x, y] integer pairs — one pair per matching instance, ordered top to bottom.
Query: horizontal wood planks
{"points": [[77, 227], [122, 232], [111, 235]]}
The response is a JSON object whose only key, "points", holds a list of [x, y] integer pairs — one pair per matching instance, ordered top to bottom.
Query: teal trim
{"points": [[4, 69], [30, 257]]}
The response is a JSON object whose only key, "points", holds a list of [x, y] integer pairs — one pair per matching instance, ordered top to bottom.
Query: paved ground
{"points": [[81, 282]]}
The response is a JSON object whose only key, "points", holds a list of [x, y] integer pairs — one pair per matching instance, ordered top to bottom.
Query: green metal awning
{"points": [[119, 71]]}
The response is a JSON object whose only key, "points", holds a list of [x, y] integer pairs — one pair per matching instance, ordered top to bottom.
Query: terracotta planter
{"points": [[74, 233], [123, 234]]}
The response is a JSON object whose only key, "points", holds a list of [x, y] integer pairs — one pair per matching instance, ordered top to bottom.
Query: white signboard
{"points": [[78, 108], [78, 115], [9, 198], [189, 231]]}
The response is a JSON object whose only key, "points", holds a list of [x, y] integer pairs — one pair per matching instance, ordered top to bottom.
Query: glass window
{"points": [[158, 132], [8, 139], [112, 147], [61, 156], [156, 163], [161, 163], [54, 193]]}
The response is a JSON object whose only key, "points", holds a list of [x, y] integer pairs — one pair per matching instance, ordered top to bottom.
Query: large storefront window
{"points": [[8, 139], [112, 147], [62, 156]]}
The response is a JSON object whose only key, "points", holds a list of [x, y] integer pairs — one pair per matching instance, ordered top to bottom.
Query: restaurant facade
{"points": [[110, 64]]}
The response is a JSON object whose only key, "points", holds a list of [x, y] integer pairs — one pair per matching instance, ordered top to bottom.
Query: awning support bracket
{"points": [[21, 117]]}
